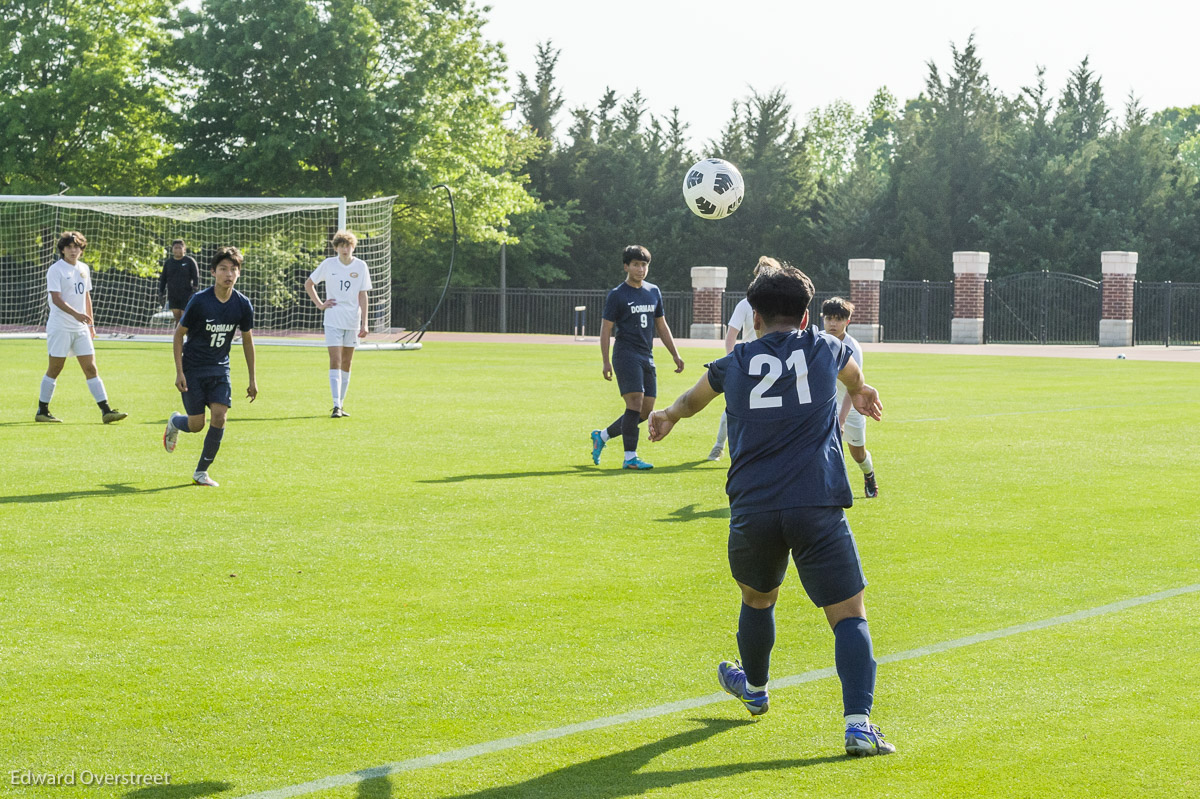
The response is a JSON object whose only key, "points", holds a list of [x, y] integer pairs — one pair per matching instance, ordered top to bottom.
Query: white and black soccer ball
{"points": [[713, 188]]}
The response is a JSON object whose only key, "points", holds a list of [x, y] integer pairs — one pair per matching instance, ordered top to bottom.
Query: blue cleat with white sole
{"points": [[637, 463], [733, 680], [865, 740]]}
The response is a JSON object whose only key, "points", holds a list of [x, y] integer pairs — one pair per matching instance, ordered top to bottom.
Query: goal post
{"points": [[283, 239]]}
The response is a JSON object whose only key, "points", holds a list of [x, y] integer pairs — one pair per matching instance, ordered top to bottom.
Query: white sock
{"points": [[96, 386], [335, 386], [345, 388], [47, 392], [722, 431], [604, 436], [630, 455], [866, 466], [756, 689], [858, 720]]}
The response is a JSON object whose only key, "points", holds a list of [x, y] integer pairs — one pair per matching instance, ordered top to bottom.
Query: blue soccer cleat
{"points": [[597, 446], [637, 463], [733, 680], [864, 740]]}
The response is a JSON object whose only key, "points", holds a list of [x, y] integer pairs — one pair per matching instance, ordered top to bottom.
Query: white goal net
{"points": [[282, 240]]}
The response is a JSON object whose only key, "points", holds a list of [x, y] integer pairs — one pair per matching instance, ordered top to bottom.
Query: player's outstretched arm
{"points": [[664, 333], [605, 339], [177, 346], [248, 351], [864, 398], [689, 403]]}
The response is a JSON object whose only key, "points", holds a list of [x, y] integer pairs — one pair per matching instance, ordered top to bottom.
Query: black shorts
{"points": [[177, 301], [635, 374], [204, 391], [819, 541]]}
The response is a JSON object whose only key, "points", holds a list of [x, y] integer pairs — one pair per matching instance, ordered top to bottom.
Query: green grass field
{"points": [[446, 568]]}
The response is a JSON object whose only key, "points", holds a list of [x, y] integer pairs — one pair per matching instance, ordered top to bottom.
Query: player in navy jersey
{"points": [[633, 312], [202, 361], [787, 490]]}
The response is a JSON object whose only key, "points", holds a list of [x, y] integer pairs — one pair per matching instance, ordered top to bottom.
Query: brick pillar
{"points": [[1119, 270], [970, 275], [865, 276], [708, 292]]}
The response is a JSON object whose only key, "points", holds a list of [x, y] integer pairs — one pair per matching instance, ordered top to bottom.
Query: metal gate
{"points": [[1042, 308], [916, 310], [1166, 313]]}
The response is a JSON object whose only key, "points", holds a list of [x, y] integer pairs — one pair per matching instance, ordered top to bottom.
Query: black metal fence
{"points": [[732, 298], [1042, 308], [477, 309], [916, 310], [1166, 313]]}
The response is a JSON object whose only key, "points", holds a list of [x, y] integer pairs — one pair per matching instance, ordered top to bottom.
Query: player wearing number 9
{"points": [[202, 360], [787, 489]]}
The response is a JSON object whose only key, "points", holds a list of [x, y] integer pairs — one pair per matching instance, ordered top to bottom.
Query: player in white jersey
{"points": [[347, 281], [835, 315], [741, 321], [70, 328]]}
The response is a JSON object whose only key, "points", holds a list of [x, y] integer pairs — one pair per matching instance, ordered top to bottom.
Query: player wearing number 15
{"points": [[347, 281], [202, 360], [787, 489]]}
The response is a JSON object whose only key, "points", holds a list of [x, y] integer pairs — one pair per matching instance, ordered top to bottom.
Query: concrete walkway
{"points": [[1144, 352]]}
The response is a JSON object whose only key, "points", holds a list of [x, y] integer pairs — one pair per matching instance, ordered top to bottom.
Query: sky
{"points": [[702, 55]]}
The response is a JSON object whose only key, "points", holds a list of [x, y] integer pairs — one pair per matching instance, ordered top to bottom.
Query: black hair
{"points": [[635, 252], [226, 254], [780, 294]]}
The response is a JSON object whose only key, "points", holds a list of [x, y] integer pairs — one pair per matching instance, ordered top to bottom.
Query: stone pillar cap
{"points": [[971, 262], [1117, 262], [866, 268], [709, 277]]}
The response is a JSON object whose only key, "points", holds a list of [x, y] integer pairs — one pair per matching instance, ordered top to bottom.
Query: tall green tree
{"points": [[354, 98], [83, 100]]}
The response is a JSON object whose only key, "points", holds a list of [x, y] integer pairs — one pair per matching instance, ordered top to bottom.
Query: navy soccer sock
{"points": [[616, 428], [629, 429], [212, 443], [756, 638], [855, 661]]}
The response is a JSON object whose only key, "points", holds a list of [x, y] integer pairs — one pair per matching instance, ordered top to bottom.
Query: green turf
{"points": [[447, 568]]}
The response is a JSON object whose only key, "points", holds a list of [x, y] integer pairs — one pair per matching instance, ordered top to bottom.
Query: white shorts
{"points": [[337, 337], [63, 343], [855, 430]]}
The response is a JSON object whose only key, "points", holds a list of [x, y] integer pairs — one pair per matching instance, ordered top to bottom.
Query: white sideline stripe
{"points": [[500, 744]]}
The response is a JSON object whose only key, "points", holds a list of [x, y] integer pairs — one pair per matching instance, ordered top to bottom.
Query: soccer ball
{"points": [[713, 188]]}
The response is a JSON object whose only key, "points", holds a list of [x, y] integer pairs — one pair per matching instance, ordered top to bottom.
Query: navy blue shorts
{"points": [[635, 373], [204, 391], [819, 541]]}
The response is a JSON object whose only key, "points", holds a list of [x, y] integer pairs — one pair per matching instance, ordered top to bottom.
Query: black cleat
{"points": [[336, 413], [113, 415], [46, 416], [872, 490]]}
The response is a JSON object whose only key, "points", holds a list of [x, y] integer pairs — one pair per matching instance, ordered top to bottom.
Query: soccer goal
{"points": [[282, 239]]}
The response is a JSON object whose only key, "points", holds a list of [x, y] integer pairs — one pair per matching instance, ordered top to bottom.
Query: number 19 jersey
{"points": [[343, 283], [210, 325], [785, 448]]}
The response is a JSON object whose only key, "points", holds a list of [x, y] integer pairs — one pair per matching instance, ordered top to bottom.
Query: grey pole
{"points": [[503, 292]]}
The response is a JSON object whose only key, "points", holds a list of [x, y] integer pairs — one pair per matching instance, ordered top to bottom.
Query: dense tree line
{"points": [[371, 97]]}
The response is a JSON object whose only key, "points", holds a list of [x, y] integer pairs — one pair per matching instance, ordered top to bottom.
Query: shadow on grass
{"points": [[581, 469], [108, 490], [688, 513], [620, 774], [185, 790]]}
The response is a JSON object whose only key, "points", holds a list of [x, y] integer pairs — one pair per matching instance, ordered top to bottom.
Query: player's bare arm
{"points": [[311, 289], [362, 313], [90, 315], [664, 334], [731, 337], [605, 341], [177, 346], [248, 351], [864, 397], [689, 403]]}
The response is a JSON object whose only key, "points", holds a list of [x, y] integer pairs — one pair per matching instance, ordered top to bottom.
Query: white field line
{"points": [[501, 744]]}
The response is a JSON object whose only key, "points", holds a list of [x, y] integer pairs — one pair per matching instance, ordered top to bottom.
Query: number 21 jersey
{"points": [[210, 325], [785, 448]]}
